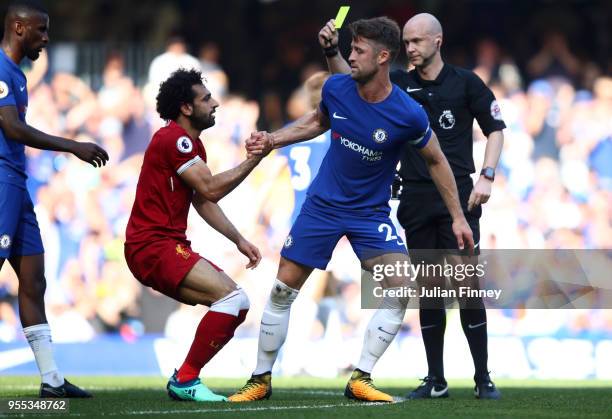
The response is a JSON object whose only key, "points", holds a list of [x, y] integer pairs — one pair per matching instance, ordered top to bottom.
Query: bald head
{"points": [[425, 23], [422, 36]]}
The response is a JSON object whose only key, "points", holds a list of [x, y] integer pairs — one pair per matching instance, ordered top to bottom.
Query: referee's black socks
{"points": [[474, 323], [433, 324]]}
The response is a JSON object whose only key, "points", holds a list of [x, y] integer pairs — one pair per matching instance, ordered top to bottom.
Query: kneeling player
{"points": [[371, 120], [174, 175]]}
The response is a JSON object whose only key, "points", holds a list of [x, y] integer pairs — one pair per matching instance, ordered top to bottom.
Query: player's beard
{"points": [[33, 52], [364, 76], [202, 121]]}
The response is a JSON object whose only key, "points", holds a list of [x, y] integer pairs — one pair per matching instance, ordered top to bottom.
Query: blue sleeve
{"points": [[7, 97], [325, 98], [323, 109], [422, 130]]}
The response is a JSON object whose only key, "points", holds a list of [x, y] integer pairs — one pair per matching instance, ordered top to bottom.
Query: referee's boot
{"points": [[430, 388], [485, 389], [66, 390]]}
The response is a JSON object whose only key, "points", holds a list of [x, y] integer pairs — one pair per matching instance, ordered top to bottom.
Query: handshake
{"points": [[259, 144]]}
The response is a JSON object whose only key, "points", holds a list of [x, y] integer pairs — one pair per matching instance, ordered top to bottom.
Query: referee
{"points": [[452, 98]]}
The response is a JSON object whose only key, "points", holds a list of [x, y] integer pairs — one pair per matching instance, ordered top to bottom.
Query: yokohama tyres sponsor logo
{"points": [[366, 154]]}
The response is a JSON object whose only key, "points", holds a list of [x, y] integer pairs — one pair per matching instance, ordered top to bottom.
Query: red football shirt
{"points": [[162, 198]]}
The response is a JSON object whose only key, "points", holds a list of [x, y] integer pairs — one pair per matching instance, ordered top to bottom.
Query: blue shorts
{"points": [[318, 228], [19, 232]]}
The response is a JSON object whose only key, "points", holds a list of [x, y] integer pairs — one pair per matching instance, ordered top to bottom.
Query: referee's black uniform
{"points": [[451, 101]]}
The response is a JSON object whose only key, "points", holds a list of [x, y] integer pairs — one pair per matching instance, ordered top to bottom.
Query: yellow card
{"points": [[342, 12]]}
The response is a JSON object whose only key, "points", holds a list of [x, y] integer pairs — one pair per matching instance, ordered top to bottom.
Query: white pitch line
{"points": [[239, 409], [244, 409]]}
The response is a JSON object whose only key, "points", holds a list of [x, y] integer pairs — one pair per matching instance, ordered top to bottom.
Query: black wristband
{"points": [[331, 51]]}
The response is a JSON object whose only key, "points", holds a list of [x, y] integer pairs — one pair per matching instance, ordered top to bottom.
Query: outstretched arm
{"points": [[328, 39], [309, 126], [20, 132], [442, 175], [214, 187], [212, 213]]}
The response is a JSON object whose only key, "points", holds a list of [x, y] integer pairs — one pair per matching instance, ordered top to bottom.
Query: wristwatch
{"points": [[488, 173]]}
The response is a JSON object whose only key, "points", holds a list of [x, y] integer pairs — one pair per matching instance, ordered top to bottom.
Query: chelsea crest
{"points": [[380, 135]]}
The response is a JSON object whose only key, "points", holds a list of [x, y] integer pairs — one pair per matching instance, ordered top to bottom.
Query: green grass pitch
{"points": [[322, 398]]}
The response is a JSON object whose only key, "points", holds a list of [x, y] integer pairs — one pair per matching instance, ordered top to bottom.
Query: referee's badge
{"points": [[496, 111], [447, 119], [380, 135], [184, 144], [5, 241]]}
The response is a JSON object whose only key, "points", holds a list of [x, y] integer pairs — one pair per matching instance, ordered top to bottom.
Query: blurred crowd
{"points": [[553, 190]]}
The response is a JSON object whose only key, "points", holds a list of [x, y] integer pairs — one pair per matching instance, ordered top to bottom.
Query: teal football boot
{"points": [[193, 390]]}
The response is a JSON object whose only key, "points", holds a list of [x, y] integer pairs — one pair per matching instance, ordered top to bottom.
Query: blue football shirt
{"points": [[13, 92], [366, 144], [304, 160]]}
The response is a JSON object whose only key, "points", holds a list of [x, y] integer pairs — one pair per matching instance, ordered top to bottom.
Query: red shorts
{"points": [[162, 264]]}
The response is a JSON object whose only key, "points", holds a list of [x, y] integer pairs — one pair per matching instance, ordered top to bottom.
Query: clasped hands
{"points": [[259, 144]]}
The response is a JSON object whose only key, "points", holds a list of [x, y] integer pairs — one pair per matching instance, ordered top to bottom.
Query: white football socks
{"points": [[232, 303], [274, 324], [381, 331], [39, 338]]}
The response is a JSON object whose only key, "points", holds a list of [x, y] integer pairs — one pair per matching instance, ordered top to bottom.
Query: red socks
{"points": [[213, 332]]}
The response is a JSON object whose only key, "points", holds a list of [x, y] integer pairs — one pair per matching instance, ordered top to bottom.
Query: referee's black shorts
{"points": [[426, 220]]}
